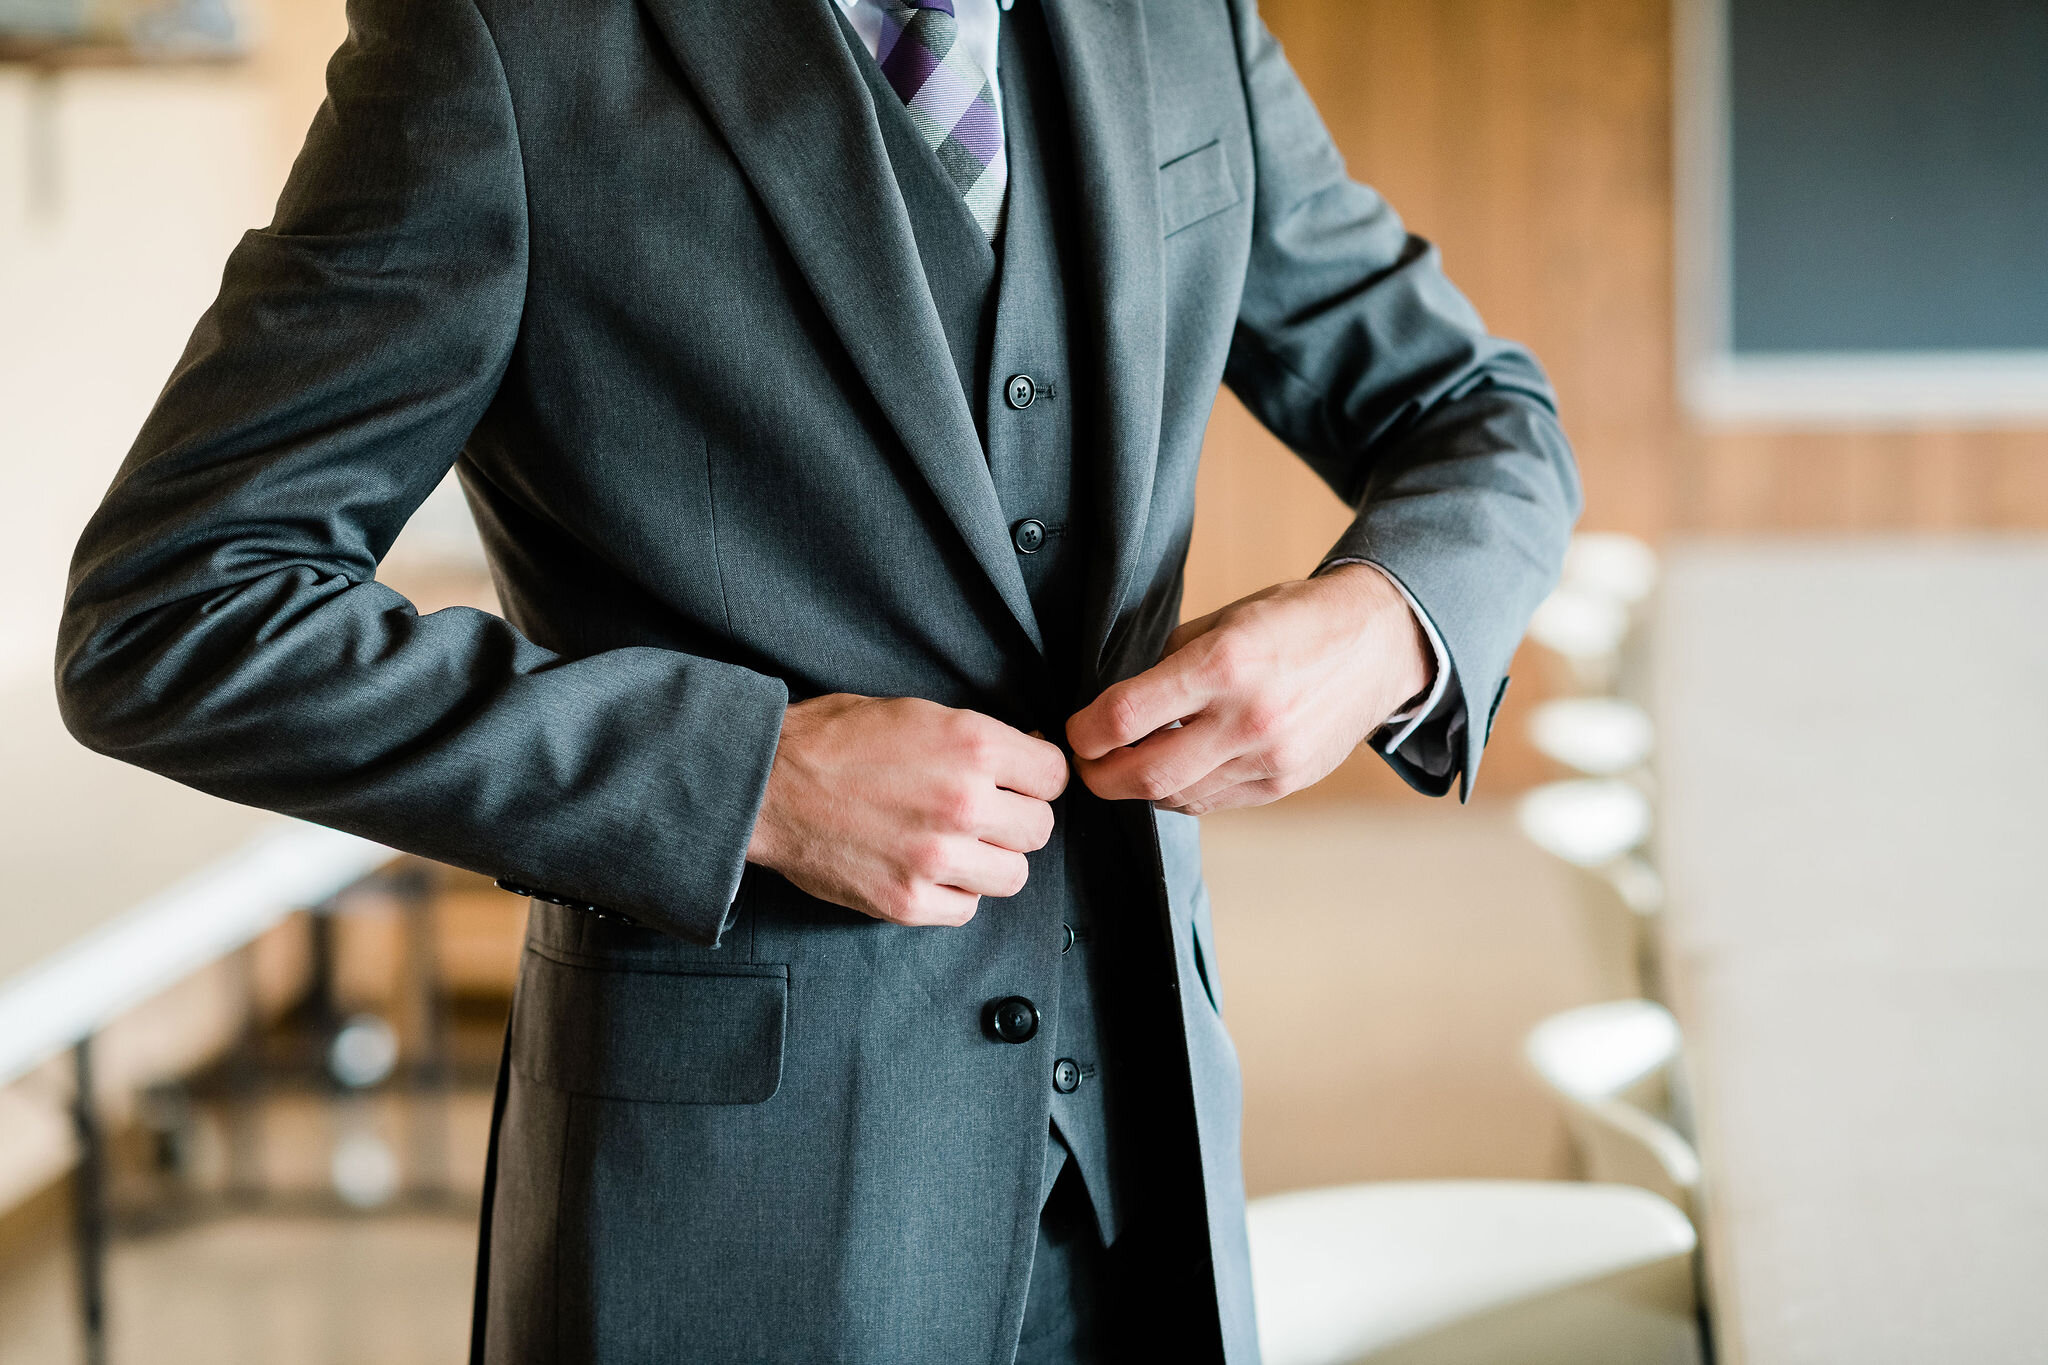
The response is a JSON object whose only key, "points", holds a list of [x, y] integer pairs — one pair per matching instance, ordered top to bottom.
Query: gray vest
{"points": [[1005, 311]]}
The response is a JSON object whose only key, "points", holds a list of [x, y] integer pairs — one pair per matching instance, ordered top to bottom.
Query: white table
{"points": [[1855, 833], [119, 884]]}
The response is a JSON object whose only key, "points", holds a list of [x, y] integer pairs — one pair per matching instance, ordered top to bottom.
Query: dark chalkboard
{"points": [[1888, 175]]}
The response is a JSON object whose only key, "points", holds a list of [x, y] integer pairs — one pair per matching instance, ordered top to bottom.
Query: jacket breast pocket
{"points": [[1196, 186], [676, 1035]]}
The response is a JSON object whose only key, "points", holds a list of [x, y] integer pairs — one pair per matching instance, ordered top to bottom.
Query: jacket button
{"points": [[1021, 391], [1028, 536], [1066, 938], [1013, 1019], [1066, 1076]]}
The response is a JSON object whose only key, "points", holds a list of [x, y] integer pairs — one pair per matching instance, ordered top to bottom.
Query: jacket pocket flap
{"points": [[1196, 186], [665, 1037]]}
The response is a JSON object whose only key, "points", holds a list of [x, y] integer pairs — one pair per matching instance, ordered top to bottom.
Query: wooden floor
{"points": [[1379, 967], [256, 1290]]}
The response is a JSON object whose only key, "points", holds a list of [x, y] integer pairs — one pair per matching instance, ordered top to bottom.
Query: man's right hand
{"points": [[904, 809]]}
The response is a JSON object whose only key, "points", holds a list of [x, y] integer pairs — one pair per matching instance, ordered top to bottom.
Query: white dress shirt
{"points": [[981, 33]]}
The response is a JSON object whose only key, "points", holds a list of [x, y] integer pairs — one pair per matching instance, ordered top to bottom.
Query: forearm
{"points": [[1355, 349], [1472, 515], [223, 624]]}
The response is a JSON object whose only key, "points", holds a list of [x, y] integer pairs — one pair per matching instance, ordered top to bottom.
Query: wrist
{"points": [[1383, 623], [768, 842], [764, 843]]}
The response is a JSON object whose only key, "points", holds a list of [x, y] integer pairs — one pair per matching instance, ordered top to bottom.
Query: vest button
{"points": [[1021, 391], [1028, 536], [1013, 1019], [1066, 1076]]}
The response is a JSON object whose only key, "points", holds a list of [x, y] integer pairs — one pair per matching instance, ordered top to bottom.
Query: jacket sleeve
{"points": [[1355, 350], [223, 623]]}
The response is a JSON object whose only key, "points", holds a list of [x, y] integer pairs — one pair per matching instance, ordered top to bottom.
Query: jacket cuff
{"points": [[670, 851]]}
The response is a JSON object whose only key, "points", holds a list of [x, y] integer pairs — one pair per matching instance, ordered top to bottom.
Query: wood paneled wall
{"points": [[1531, 139]]}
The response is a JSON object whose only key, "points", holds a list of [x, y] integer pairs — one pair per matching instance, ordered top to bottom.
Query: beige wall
{"points": [[121, 192]]}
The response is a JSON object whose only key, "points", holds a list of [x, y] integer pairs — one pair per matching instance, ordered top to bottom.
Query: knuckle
{"points": [[1229, 664], [1124, 718], [1262, 719], [955, 728], [977, 750], [1288, 763], [1153, 784], [958, 805], [925, 860]]}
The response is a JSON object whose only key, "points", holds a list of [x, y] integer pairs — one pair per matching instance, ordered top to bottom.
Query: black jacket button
{"points": [[1021, 392], [1028, 536], [1066, 938], [1013, 1019], [1066, 1076]]}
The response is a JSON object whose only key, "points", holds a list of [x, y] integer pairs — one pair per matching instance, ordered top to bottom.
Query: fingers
{"points": [[1170, 690], [1015, 761], [1157, 768], [1234, 796], [1195, 797], [984, 807], [1022, 824], [978, 868], [945, 879], [930, 906]]}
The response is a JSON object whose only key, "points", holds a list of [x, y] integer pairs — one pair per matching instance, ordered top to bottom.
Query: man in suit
{"points": [[827, 380]]}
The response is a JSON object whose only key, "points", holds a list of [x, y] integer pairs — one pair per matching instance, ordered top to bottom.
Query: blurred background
{"points": [[1746, 912]]}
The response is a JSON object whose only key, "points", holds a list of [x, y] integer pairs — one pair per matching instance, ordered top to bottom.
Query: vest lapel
{"points": [[1100, 46], [784, 91]]}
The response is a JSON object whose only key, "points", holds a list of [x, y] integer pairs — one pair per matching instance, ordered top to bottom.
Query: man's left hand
{"points": [[1260, 699]]}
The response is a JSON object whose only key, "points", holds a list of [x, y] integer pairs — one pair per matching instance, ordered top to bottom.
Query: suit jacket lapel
{"points": [[1100, 46], [783, 89]]}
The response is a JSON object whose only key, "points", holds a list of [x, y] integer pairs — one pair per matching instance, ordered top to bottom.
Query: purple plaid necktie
{"points": [[950, 100]]}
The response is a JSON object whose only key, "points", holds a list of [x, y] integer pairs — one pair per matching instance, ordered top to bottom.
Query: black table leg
{"points": [[431, 1071], [89, 1205]]}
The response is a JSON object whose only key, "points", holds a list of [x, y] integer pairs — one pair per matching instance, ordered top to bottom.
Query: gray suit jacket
{"points": [[642, 273]]}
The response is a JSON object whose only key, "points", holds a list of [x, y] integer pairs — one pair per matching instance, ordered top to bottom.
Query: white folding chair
{"points": [[1612, 565], [1606, 583], [1585, 629], [1593, 736], [1598, 826], [1611, 1066], [1474, 1272]]}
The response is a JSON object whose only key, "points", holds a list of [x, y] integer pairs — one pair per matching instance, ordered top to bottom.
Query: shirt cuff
{"points": [[1408, 722]]}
